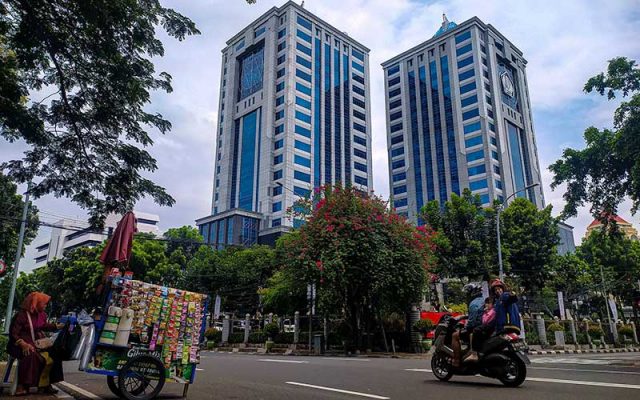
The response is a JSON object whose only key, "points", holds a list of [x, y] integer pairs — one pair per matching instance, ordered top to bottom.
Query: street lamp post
{"points": [[500, 207]]}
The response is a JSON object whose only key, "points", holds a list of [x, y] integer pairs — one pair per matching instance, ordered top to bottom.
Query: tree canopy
{"points": [[75, 81], [607, 170], [11, 206], [467, 233], [531, 236], [360, 255]]}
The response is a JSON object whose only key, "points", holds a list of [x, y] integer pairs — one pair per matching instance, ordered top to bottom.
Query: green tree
{"points": [[90, 64], [607, 170], [11, 205], [531, 235], [186, 238], [468, 245], [617, 256], [362, 257], [235, 274], [571, 274]]}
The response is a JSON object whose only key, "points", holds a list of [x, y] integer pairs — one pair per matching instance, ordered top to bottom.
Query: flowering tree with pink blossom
{"points": [[364, 258]]}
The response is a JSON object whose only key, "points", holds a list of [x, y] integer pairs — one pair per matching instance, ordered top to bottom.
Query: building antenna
{"points": [[302, 5]]}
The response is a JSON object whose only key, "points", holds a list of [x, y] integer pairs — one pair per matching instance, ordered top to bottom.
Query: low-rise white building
{"points": [[71, 234]]}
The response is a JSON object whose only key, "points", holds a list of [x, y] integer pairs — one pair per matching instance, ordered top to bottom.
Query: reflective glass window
{"points": [[251, 71], [302, 146], [480, 169], [477, 185]]}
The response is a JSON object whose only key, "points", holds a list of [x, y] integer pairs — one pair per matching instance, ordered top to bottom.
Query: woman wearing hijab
{"points": [[29, 325]]}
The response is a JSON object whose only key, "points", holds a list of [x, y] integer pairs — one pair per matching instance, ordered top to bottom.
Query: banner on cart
{"points": [[112, 359]]}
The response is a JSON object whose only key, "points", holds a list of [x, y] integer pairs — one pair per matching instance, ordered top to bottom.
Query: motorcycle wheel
{"points": [[440, 367], [515, 372]]}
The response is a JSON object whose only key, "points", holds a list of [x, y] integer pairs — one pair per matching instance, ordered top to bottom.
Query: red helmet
{"points": [[497, 282]]}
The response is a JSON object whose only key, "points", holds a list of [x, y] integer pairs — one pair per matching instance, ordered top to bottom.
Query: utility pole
{"points": [[16, 262]]}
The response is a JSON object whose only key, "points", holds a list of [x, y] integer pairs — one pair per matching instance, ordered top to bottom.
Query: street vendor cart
{"points": [[146, 335]]}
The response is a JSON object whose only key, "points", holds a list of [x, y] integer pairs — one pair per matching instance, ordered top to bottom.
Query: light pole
{"points": [[500, 207], [16, 261]]}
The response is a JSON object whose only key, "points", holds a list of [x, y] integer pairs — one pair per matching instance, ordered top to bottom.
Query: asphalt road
{"points": [[237, 376]]}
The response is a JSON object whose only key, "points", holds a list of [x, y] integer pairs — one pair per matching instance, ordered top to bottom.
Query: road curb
{"points": [[591, 351], [337, 355], [76, 392]]}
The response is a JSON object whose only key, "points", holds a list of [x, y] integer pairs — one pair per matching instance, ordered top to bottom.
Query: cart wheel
{"points": [[141, 378], [113, 386]]}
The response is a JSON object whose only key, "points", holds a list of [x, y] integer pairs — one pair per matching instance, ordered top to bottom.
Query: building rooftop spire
{"points": [[446, 25]]}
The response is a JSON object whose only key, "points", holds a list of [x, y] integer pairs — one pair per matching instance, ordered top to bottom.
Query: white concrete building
{"points": [[71, 234]]}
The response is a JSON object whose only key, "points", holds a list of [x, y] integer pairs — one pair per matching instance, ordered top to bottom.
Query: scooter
{"points": [[502, 357]]}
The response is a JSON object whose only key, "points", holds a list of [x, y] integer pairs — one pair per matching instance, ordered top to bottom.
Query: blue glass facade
{"points": [[251, 71], [413, 109], [317, 111], [337, 112], [437, 132], [451, 135], [328, 156], [516, 159]]}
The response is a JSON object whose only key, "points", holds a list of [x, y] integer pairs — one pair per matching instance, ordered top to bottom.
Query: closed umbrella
{"points": [[117, 252]]}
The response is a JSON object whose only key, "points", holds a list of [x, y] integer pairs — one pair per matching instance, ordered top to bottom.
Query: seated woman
{"points": [[37, 368]]}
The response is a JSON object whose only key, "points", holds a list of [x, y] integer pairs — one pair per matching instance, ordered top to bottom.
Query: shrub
{"points": [[458, 308], [423, 325], [555, 327], [271, 329], [626, 330], [595, 331], [213, 334], [236, 337], [257, 337], [531, 337], [581, 337], [284, 338], [211, 345], [3, 348]]}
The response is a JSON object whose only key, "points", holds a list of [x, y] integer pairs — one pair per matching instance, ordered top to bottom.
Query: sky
{"points": [[565, 42]]}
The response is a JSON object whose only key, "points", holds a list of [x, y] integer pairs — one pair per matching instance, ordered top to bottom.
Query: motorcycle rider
{"points": [[476, 306], [506, 306]]}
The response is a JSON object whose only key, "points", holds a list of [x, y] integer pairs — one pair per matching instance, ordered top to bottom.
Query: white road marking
{"points": [[346, 359], [283, 361], [582, 361], [199, 369], [418, 370], [589, 370], [585, 383], [74, 388], [371, 396]]}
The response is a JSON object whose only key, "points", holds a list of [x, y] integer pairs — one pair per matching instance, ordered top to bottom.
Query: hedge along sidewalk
{"points": [[588, 351]]}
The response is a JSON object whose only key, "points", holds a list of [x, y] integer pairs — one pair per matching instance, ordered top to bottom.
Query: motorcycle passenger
{"points": [[474, 292], [506, 306], [484, 331]]}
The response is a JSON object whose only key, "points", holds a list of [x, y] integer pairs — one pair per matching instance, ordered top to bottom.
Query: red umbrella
{"points": [[118, 249]]}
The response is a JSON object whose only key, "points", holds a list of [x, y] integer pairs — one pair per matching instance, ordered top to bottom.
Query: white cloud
{"points": [[565, 42]]}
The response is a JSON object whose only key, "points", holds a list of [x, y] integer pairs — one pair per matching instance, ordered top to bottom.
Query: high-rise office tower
{"points": [[294, 115], [458, 116]]}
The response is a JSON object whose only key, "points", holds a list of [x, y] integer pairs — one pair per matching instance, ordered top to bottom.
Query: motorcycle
{"points": [[502, 356]]}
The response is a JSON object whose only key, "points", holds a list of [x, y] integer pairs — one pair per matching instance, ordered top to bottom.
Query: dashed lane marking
{"points": [[282, 361], [598, 371], [585, 383], [329, 389]]}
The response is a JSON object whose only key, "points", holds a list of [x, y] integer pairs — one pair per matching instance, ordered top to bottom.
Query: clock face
{"points": [[507, 85]]}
